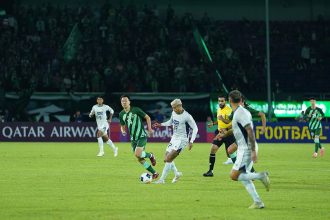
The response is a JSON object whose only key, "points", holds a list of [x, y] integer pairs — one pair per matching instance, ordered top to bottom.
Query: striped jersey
{"points": [[312, 116], [133, 120]]}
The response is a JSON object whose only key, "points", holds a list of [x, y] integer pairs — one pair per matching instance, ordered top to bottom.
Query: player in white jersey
{"points": [[100, 112], [181, 120], [246, 150]]}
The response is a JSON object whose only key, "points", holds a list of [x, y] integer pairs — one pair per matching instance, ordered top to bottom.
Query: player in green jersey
{"points": [[314, 115], [131, 117]]}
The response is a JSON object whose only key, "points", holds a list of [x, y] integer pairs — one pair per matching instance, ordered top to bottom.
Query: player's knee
{"points": [[316, 139], [137, 155], [233, 176]]}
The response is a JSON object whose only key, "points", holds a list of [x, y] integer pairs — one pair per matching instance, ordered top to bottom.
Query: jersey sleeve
{"points": [[108, 108], [252, 111], [140, 112], [321, 112], [306, 114], [243, 118], [193, 125]]}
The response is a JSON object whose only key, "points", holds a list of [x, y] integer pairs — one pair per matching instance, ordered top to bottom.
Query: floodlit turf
{"points": [[68, 181]]}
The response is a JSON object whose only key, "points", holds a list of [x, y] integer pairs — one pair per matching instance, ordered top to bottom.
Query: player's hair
{"points": [[99, 96], [125, 96], [222, 96], [235, 96], [312, 98], [176, 102]]}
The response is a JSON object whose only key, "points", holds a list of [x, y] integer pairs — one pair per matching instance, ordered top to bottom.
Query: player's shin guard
{"points": [[100, 141], [110, 143], [317, 143], [145, 154], [233, 156], [212, 161], [148, 167], [167, 168], [249, 186]]}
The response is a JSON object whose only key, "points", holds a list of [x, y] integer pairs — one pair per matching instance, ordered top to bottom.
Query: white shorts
{"points": [[104, 130], [177, 144], [243, 160], [249, 167]]}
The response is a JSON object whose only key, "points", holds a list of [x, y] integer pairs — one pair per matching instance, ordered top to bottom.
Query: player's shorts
{"points": [[103, 130], [315, 132], [229, 140], [141, 142], [177, 144], [243, 161], [249, 167]]}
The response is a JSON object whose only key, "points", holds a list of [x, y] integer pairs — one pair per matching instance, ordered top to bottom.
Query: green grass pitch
{"points": [[68, 181]]}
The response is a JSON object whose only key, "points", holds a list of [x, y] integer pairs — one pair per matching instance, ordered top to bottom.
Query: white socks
{"points": [[100, 141], [109, 142], [167, 168], [174, 168], [249, 176], [249, 186]]}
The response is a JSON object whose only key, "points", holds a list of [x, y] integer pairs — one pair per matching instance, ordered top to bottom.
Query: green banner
{"points": [[282, 109]]}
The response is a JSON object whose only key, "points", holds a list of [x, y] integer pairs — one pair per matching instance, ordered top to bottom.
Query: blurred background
{"points": [[57, 56]]}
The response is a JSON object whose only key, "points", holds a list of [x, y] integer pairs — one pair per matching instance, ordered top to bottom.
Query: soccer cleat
{"points": [[115, 152], [322, 152], [100, 154], [314, 155], [152, 159], [229, 161], [208, 174], [155, 175], [177, 177], [265, 180], [159, 182], [257, 205]]}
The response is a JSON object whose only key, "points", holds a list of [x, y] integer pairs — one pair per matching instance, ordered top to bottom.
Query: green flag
{"points": [[71, 45]]}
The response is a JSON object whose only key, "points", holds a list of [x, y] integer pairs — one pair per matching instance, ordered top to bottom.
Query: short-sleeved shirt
{"points": [[100, 112], [225, 113], [312, 115], [241, 118], [133, 120]]}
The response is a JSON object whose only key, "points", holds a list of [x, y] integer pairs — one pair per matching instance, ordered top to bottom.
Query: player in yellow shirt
{"points": [[223, 113]]}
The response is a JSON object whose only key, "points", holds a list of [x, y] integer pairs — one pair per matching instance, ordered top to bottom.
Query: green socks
{"points": [[148, 167]]}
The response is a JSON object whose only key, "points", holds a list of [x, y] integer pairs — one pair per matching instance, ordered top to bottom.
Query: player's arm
{"points": [[111, 111], [92, 112], [322, 113], [306, 115], [224, 119], [148, 120], [263, 121], [166, 123], [122, 124], [193, 125], [252, 140]]}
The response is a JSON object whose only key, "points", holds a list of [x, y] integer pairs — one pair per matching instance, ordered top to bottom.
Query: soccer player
{"points": [[100, 112], [224, 112], [314, 115], [132, 117], [180, 119], [243, 131]]}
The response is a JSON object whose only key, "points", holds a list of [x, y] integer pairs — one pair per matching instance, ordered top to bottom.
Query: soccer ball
{"points": [[145, 178]]}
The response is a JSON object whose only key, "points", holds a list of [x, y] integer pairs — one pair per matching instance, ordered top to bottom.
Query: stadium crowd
{"points": [[131, 49]]}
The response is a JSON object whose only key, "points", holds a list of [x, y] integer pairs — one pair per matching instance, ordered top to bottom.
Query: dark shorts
{"points": [[229, 140], [139, 143]]}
